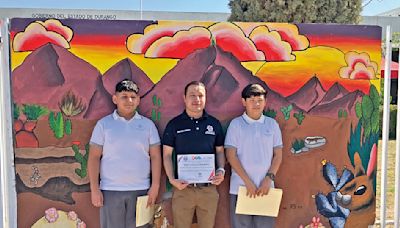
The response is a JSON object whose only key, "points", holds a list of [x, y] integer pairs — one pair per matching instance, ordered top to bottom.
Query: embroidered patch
{"points": [[139, 127], [210, 130], [181, 131]]}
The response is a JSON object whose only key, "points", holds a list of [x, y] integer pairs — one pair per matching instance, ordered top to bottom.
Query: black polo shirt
{"points": [[193, 136]]}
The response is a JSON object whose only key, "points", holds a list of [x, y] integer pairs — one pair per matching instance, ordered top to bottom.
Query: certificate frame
{"points": [[196, 168]]}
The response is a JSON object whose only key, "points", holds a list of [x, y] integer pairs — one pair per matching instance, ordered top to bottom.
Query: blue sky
{"points": [[375, 7]]}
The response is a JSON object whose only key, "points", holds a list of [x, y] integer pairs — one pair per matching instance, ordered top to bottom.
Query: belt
{"points": [[199, 185]]}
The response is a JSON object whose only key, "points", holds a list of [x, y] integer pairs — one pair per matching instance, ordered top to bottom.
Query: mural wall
{"points": [[322, 83]]}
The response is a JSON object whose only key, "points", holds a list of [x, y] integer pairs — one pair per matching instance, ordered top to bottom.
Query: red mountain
{"points": [[126, 69], [49, 72], [224, 78], [335, 92], [309, 95], [346, 103]]}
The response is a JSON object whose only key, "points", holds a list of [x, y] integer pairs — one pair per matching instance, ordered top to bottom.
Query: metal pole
{"points": [[141, 9], [385, 129], [397, 172], [8, 194]]}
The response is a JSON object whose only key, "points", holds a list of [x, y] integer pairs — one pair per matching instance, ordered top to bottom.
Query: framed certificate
{"points": [[196, 168]]}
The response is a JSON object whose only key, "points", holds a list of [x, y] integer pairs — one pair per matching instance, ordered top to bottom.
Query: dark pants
{"points": [[119, 209], [248, 221]]}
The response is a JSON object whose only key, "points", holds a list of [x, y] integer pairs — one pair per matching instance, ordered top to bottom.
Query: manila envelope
{"points": [[267, 205], [144, 214]]}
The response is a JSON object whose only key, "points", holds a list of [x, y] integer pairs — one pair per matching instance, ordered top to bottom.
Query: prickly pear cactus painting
{"points": [[322, 83]]}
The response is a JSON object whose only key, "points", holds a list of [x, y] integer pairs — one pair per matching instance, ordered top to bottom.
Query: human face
{"points": [[195, 100], [126, 102], [254, 106]]}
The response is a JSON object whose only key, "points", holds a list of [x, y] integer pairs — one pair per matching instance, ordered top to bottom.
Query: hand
{"points": [[217, 179], [179, 184], [264, 187], [251, 189], [153, 193], [97, 198]]}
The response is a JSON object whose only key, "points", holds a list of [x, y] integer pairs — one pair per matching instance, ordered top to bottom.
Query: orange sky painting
{"points": [[316, 53]]}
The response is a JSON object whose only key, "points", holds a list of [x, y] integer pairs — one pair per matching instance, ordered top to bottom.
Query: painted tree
{"points": [[296, 11]]}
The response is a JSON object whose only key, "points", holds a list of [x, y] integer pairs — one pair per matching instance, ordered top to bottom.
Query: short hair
{"points": [[197, 83], [127, 86], [253, 90]]}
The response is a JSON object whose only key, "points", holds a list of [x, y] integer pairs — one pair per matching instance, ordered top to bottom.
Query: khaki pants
{"points": [[202, 200]]}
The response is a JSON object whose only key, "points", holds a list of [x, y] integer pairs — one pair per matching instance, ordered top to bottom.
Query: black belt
{"points": [[199, 185]]}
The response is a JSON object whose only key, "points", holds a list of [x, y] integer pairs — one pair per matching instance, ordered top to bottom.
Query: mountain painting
{"points": [[323, 84]]}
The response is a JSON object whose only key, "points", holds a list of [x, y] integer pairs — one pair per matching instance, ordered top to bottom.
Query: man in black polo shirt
{"points": [[194, 132]]}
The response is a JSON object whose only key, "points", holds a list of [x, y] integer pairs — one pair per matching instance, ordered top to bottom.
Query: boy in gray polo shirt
{"points": [[253, 146], [124, 151]]}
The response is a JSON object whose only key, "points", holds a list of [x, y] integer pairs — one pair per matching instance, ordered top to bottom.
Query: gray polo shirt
{"points": [[254, 141], [125, 163]]}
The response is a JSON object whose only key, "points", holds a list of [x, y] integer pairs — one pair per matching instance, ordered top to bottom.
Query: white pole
{"points": [[141, 9], [385, 129], [397, 172], [7, 184]]}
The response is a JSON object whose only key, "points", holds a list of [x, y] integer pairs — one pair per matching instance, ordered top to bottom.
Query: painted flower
{"points": [[76, 143], [51, 215], [72, 215], [316, 222], [80, 224]]}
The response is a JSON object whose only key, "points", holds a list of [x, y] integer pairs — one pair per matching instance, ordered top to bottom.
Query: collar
{"points": [[116, 116], [204, 116], [250, 120]]}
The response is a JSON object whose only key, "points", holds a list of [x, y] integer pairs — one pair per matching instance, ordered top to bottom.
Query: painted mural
{"points": [[322, 82]]}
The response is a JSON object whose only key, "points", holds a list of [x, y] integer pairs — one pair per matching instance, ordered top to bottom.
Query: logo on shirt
{"points": [[140, 127], [210, 130], [181, 131]]}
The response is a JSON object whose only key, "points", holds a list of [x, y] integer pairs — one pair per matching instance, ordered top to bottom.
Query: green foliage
{"points": [[297, 11], [396, 39], [213, 42], [395, 42], [154, 99], [159, 103], [71, 105], [358, 110], [16, 111], [286, 111], [33, 112], [368, 112], [270, 113], [343, 113], [155, 114], [299, 117], [52, 120], [392, 121], [57, 124], [68, 127], [367, 130], [298, 144], [362, 146], [82, 159]]}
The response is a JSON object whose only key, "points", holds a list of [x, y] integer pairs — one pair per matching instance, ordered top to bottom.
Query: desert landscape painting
{"points": [[323, 89]]}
